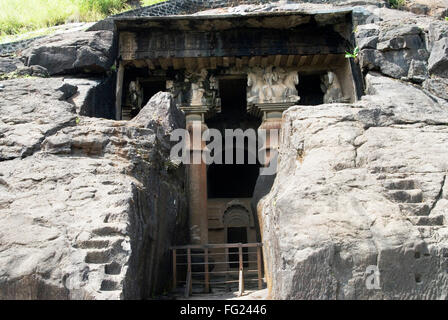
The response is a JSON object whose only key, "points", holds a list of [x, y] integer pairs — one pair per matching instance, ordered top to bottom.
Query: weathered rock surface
{"points": [[437, 8], [402, 45], [76, 52], [398, 52], [438, 61], [8, 65], [11, 68], [437, 86], [93, 97], [31, 110], [361, 185], [88, 206]]}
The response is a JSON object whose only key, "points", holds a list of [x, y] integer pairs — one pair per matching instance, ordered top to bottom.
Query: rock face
{"points": [[438, 8], [402, 45], [82, 52], [399, 52], [438, 61], [8, 65], [93, 97], [361, 185], [89, 207]]}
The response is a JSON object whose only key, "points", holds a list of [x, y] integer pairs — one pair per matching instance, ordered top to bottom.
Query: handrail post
{"points": [[227, 268], [174, 269], [260, 275], [207, 276], [241, 278], [189, 281]]}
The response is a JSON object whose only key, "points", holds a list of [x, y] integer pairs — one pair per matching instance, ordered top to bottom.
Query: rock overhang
{"points": [[327, 16]]}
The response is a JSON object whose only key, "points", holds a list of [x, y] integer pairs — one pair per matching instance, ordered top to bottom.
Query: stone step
{"points": [[399, 184], [406, 196], [414, 209], [427, 221], [110, 231], [428, 231], [100, 243], [93, 244], [98, 256], [113, 268], [110, 285]]}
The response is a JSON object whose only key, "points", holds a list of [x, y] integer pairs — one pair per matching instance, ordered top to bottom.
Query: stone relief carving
{"points": [[255, 83], [272, 85], [332, 88], [195, 89], [134, 99]]}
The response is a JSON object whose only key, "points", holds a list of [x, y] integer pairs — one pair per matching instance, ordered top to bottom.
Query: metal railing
{"points": [[217, 265]]}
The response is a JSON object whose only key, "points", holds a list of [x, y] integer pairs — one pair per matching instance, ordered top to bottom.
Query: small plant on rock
{"points": [[352, 55]]}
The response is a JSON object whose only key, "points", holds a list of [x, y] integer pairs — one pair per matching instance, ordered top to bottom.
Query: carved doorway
{"points": [[236, 220]]}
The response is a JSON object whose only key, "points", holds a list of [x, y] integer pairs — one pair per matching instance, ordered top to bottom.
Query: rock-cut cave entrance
{"points": [[233, 74], [231, 183]]}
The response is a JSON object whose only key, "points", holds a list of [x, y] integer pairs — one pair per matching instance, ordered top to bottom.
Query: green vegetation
{"points": [[150, 2], [397, 4], [23, 16], [446, 18], [353, 54], [14, 75]]}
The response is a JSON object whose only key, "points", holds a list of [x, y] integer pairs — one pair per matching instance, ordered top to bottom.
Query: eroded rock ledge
{"points": [[361, 185], [89, 206]]}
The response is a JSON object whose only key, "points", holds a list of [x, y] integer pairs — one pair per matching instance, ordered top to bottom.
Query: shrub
{"points": [[397, 4]]}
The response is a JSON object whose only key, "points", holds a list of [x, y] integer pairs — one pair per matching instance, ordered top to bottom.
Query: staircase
{"points": [[410, 199], [102, 254]]}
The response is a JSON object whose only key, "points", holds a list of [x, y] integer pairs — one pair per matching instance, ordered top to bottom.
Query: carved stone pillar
{"points": [[197, 94], [272, 123], [197, 183]]}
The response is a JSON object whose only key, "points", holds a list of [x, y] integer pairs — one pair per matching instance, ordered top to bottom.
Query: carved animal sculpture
{"points": [[270, 77], [290, 82], [255, 85], [332, 88]]}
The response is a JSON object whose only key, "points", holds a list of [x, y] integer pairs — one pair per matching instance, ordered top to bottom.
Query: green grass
{"points": [[150, 2], [397, 4], [22, 16]]}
